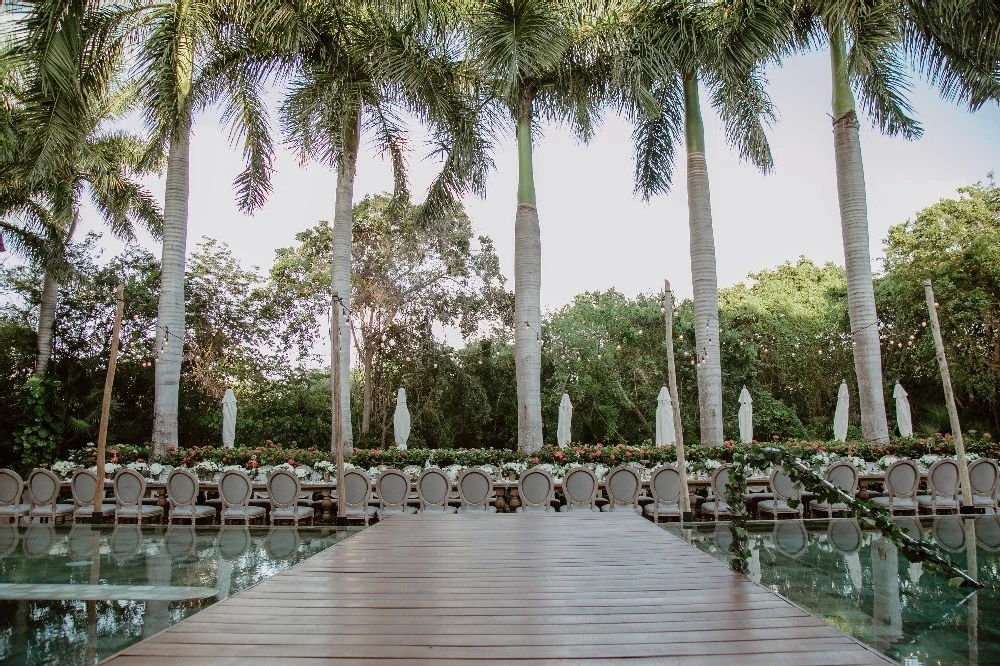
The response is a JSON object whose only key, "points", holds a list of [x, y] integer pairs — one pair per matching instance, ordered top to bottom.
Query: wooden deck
{"points": [[559, 588]]}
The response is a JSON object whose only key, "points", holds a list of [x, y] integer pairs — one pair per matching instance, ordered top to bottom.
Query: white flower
{"points": [[857, 461], [886, 461], [925, 461], [712, 465], [206, 466], [325, 466], [140, 467], [63, 468], [110, 468], [233, 468], [156, 469], [489, 469], [302, 471], [600, 471]]}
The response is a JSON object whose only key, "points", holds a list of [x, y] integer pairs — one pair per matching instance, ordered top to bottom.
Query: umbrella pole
{"points": [[668, 317], [949, 400], [338, 427], [97, 516]]}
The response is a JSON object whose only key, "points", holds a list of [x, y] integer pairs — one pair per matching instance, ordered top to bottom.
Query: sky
{"points": [[596, 234]]}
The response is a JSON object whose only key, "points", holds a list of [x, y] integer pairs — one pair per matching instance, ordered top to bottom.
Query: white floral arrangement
{"points": [[969, 457], [822, 458], [857, 461], [886, 461], [925, 461], [712, 465], [207, 466], [326, 466], [140, 467], [515, 467], [109, 468], [234, 468], [63, 469], [490, 469], [156, 470], [303, 471], [413, 471], [600, 471], [452, 472]]}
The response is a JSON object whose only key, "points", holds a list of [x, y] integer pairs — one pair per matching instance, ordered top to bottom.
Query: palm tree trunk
{"points": [[343, 234], [857, 256], [704, 274], [527, 295], [170, 313], [46, 322]]}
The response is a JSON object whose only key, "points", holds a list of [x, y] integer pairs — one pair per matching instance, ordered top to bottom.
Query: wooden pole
{"points": [[668, 317], [949, 398], [338, 428], [102, 434]]}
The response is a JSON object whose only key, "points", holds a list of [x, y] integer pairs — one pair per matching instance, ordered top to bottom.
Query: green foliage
{"points": [[40, 434]]}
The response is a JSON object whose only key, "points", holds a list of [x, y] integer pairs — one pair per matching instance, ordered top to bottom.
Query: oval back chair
{"points": [[844, 475], [902, 479], [983, 479], [622, 485], [942, 485], [83, 486], [43, 487], [665, 487], [130, 488], [475, 488], [580, 488], [283, 489], [393, 489], [11, 490], [236, 490], [537, 490], [784, 490], [434, 491], [355, 494], [182, 497], [718, 505], [988, 532], [949, 533], [845, 535], [790, 537], [282, 541]]}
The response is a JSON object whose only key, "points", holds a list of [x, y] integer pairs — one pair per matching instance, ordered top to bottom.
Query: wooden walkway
{"points": [[554, 588]]}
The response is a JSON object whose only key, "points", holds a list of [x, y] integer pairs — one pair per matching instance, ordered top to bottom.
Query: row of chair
{"points": [[129, 487], [902, 489]]}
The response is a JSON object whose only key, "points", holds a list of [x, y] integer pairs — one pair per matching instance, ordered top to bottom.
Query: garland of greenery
{"points": [[868, 513]]}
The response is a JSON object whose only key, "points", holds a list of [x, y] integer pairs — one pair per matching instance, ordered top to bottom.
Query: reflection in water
{"points": [[858, 582], [83, 632]]}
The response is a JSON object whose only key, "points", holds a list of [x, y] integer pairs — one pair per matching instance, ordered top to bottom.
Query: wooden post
{"points": [[668, 317], [949, 398], [338, 428], [102, 434]]}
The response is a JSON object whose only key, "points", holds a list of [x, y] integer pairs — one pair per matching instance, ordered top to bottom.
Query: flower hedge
{"points": [[700, 458]]}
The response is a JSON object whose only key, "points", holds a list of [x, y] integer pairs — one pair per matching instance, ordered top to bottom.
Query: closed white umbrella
{"points": [[746, 416], [840, 416], [229, 419], [664, 419], [904, 419], [401, 420], [564, 431]]}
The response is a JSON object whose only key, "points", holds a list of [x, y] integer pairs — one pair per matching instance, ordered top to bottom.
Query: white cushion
{"points": [[928, 500], [896, 502], [767, 506], [621, 508], [708, 508], [22, 509], [89, 509], [61, 510], [147, 510], [199, 510], [665, 510], [360, 511], [243, 512], [291, 512]]}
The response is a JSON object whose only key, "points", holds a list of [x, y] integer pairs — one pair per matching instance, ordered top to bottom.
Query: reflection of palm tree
{"points": [[845, 535], [233, 541], [156, 614], [887, 614]]}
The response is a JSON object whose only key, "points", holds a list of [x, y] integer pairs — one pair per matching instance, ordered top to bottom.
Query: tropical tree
{"points": [[956, 45], [678, 48], [193, 53], [538, 61], [363, 69], [56, 151]]}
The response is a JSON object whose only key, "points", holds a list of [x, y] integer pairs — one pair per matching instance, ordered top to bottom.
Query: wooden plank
{"points": [[566, 588]]}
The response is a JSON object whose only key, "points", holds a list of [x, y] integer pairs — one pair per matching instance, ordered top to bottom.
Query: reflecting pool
{"points": [[858, 582], [75, 595]]}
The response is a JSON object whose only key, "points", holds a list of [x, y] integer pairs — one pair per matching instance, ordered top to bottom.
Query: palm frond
{"points": [[655, 136]]}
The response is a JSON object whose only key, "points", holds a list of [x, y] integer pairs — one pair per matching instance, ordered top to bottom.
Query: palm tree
{"points": [[956, 45], [680, 47], [538, 60], [183, 66], [365, 67], [65, 88]]}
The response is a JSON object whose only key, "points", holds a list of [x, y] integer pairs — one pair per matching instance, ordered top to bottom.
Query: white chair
{"points": [[844, 475], [983, 479], [901, 482], [622, 485], [43, 486], [83, 486], [943, 486], [284, 487], [665, 487], [130, 488], [580, 488], [393, 489], [475, 489], [11, 490], [236, 490], [537, 490], [784, 490], [434, 491], [355, 494], [182, 496], [717, 506]]}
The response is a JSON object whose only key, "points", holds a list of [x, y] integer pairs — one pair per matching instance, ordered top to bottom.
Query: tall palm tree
{"points": [[956, 45], [680, 47], [66, 61], [537, 61], [184, 65], [364, 68]]}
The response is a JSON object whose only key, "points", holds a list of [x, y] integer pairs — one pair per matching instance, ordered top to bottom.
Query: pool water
{"points": [[858, 582], [76, 595]]}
